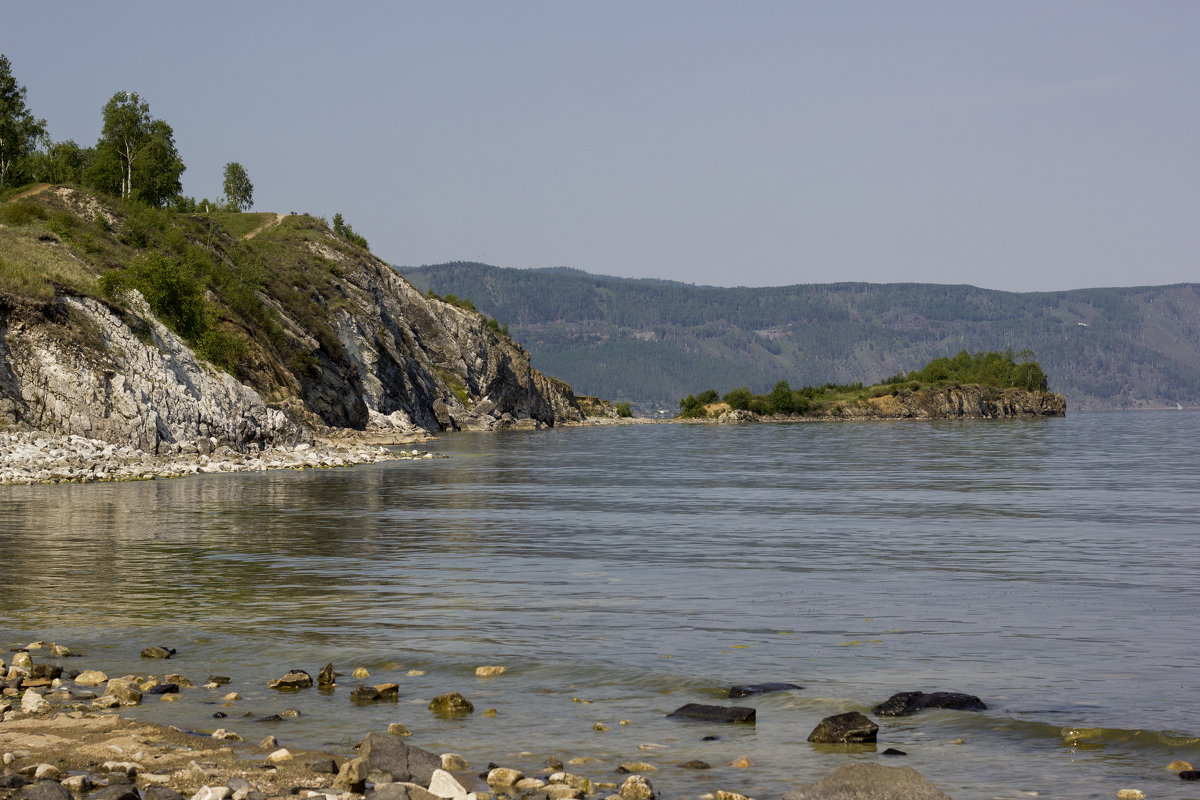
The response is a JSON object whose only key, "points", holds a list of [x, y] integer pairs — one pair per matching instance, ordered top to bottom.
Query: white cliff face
{"points": [[103, 382]]}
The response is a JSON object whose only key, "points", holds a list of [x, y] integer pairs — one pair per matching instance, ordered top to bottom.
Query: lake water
{"points": [[1047, 566]]}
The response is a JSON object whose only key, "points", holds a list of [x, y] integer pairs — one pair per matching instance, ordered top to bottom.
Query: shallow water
{"points": [[1043, 565]]}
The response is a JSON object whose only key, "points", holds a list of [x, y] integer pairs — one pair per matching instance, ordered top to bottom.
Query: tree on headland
{"points": [[19, 129], [136, 155], [239, 191], [343, 229]]}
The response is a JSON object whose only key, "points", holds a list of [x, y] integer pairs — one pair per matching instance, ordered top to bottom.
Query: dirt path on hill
{"points": [[30, 192], [271, 223]]}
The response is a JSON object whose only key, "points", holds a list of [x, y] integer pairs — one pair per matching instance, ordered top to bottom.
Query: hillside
{"points": [[152, 327], [654, 342]]}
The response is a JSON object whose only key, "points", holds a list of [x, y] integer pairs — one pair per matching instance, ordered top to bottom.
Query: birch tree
{"points": [[19, 129], [126, 129], [136, 156], [239, 191]]}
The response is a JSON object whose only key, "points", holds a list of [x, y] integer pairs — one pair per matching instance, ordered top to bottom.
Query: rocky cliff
{"points": [[317, 335], [947, 402]]}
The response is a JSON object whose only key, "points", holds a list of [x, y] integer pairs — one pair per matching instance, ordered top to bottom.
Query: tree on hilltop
{"points": [[19, 129], [136, 156], [239, 191]]}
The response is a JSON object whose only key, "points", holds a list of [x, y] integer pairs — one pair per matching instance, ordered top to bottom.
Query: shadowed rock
{"points": [[158, 652], [906, 703], [703, 713], [849, 728], [387, 754], [869, 782]]}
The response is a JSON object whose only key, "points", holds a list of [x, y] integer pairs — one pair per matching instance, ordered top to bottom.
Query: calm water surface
{"points": [[1046, 566]]}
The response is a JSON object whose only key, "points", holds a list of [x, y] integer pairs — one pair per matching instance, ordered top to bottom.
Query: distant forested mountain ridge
{"points": [[653, 342]]}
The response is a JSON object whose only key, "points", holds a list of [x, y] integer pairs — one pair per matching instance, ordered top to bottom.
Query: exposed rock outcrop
{"points": [[358, 349]]}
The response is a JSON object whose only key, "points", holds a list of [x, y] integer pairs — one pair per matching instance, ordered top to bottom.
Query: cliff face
{"points": [[349, 344], [961, 401]]}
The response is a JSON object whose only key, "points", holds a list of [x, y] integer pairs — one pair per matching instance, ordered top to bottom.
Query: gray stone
{"points": [[158, 652], [327, 677], [295, 679], [126, 691], [705, 713], [849, 728], [389, 755], [352, 777], [869, 782], [636, 787]]}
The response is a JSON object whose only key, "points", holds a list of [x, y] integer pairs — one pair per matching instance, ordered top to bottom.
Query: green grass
{"points": [[236, 224], [33, 260]]}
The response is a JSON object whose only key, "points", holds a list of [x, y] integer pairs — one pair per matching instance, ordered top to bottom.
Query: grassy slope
{"points": [[656, 341]]}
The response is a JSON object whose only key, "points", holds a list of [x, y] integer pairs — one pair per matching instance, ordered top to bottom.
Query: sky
{"points": [[1029, 145]]}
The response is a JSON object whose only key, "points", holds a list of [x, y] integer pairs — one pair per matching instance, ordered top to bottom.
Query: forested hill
{"points": [[653, 342]]}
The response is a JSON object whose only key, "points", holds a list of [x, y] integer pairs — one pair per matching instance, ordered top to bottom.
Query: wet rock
{"points": [[158, 652], [22, 661], [45, 672], [361, 672], [489, 672], [91, 677], [327, 677], [295, 679], [178, 680], [219, 680], [163, 688], [760, 688], [388, 691], [365, 694], [451, 703], [906, 703], [704, 713], [600, 726], [849, 728], [398, 729], [225, 736], [891, 751], [389, 755], [743, 762], [553, 763], [696, 764], [323, 766], [1179, 766], [46, 772], [1190, 775], [503, 776], [352, 777], [570, 779], [12, 782], [869, 782], [636, 787], [44, 790], [126, 791], [403, 791], [563, 791], [213, 793], [721, 794], [1130, 794]]}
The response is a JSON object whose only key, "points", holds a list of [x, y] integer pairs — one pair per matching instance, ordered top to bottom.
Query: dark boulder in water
{"points": [[158, 652], [761, 688], [906, 703], [703, 713], [849, 728]]}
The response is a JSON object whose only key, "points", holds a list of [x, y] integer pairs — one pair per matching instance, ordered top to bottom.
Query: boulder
{"points": [[489, 671], [43, 672], [295, 679], [760, 688], [124, 690], [388, 691], [364, 694], [34, 703], [451, 703], [906, 703], [703, 713], [849, 728], [387, 754], [453, 762], [503, 776], [869, 782], [443, 784], [44, 790]]}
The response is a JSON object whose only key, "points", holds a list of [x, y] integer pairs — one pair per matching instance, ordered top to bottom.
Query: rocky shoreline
{"points": [[40, 457], [62, 737]]}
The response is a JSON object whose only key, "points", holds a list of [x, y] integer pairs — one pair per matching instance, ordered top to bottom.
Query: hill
{"points": [[151, 327], [653, 342]]}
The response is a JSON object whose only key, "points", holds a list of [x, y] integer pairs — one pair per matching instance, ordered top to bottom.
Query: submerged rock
{"points": [[158, 652], [760, 688], [906, 703], [705, 713], [849, 728], [869, 782]]}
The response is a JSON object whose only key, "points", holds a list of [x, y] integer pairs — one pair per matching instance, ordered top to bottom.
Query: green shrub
{"points": [[624, 409]]}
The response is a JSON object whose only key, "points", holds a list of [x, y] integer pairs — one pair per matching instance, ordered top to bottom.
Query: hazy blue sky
{"points": [[1026, 146]]}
